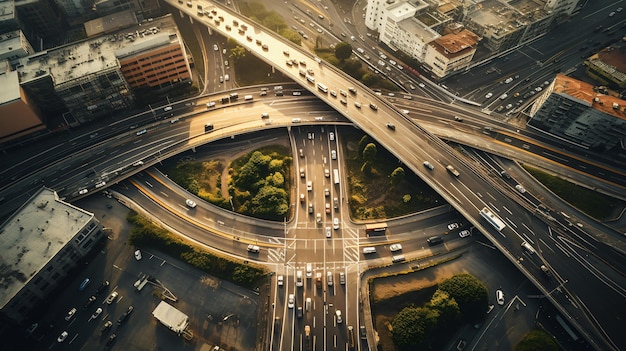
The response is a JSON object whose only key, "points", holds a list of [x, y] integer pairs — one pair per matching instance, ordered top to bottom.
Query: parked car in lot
{"points": [[453, 226], [464, 233], [138, 255], [102, 287], [500, 297], [109, 300], [90, 301], [96, 313], [70, 314], [125, 316], [62, 337]]}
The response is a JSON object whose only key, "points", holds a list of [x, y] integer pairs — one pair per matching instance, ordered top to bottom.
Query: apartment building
{"points": [[451, 52], [581, 114], [18, 115], [41, 243]]}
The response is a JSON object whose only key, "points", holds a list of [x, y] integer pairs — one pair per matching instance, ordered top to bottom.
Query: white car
{"points": [[215, 48], [488, 95], [357, 104], [331, 135], [333, 154], [428, 165], [101, 184], [309, 186], [520, 188], [83, 191], [190, 203], [335, 223], [453, 226], [464, 233], [328, 235], [395, 247], [138, 255], [280, 280], [500, 297], [111, 298], [291, 301], [97, 313], [70, 314], [338, 315], [62, 337]]}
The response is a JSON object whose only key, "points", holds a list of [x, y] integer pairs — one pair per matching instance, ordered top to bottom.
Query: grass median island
{"points": [[378, 186], [593, 203], [145, 233]]}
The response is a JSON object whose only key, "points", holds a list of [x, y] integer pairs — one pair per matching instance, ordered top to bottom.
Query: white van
{"points": [[248, 98], [528, 248], [369, 250], [398, 258], [309, 270], [299, 282]]}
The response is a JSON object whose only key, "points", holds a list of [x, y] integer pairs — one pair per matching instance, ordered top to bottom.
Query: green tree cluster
{"points": [[258, 185], [458, 298], [537, 340]]}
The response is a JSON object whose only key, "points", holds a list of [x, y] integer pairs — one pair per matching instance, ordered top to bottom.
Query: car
{"points": [[215, 48], [226, 77], [296, 93], [333, 93], [488, 95], [343, 101], [357, 104], [373, 106], [508, 107], [168, 108], [458, 119], [391, 126], [141, 132], [310, 136], [331, 136], [301, 152], [333, 154], [428, 165], [327, 173], [302, 174], [101, 184], [309, 186], [520, 188], [83, 191], [326, 192], [301, 197], [190, 203], [335, 203], [310, 207], [327, 208], [318, 217], [335, 223], [453, 226], [464, 233], [328, 234], [395, 247], [253, 248], [138, 255], [342, 278], [280, 280], [84, 284], [102, 287], [500, 297], [109, 300], [90, 301], [291, 301], [299, 312], [96, 313], [70, 314], [338, 315], [125, 316], [106, 327], [62, 337], [111, 340]]}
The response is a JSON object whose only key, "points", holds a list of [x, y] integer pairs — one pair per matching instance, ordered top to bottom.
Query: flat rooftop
{"points": [[7, 10], [508, 16], [416, 28], [66, 63], [9, 88], [584, 92], [33, 236]]}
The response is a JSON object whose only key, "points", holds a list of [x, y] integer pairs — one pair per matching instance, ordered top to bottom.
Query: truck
{"points": [[452, 171], [170, 317]]}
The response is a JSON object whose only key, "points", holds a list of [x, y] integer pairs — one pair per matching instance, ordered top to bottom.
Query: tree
{"points": [[343, 51], [370, 79], [365, 139], [369, 152], [397, 175], [469, 292], [449, 311], [412, 325], [537, 340]]}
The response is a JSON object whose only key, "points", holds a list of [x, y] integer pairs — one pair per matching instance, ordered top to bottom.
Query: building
{"points": [[143, 9], [40, 20], [110, 23], [14, 45], [451, 53], [155, 62], [608, 66], [86, 81], [578, 113], [18, 115], [41, 243]]}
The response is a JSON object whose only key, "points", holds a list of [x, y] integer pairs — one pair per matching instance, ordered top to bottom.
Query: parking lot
{"points": [[219, 312]]}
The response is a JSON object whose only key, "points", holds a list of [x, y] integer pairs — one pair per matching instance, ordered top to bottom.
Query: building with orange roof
{"points": [[451, 52], [579, 113]]}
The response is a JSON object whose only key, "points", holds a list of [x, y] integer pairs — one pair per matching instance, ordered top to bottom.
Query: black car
{"points": [[102, 287], [89, 302], [125, 315], [111, 339]]}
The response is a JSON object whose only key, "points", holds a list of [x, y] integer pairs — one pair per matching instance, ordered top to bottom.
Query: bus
{"points": [[322, 87], [336, 175], [494, 220], [376, 229]]}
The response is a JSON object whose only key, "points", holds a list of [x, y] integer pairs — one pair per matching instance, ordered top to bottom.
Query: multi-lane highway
{"points": [[468, 193]]}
